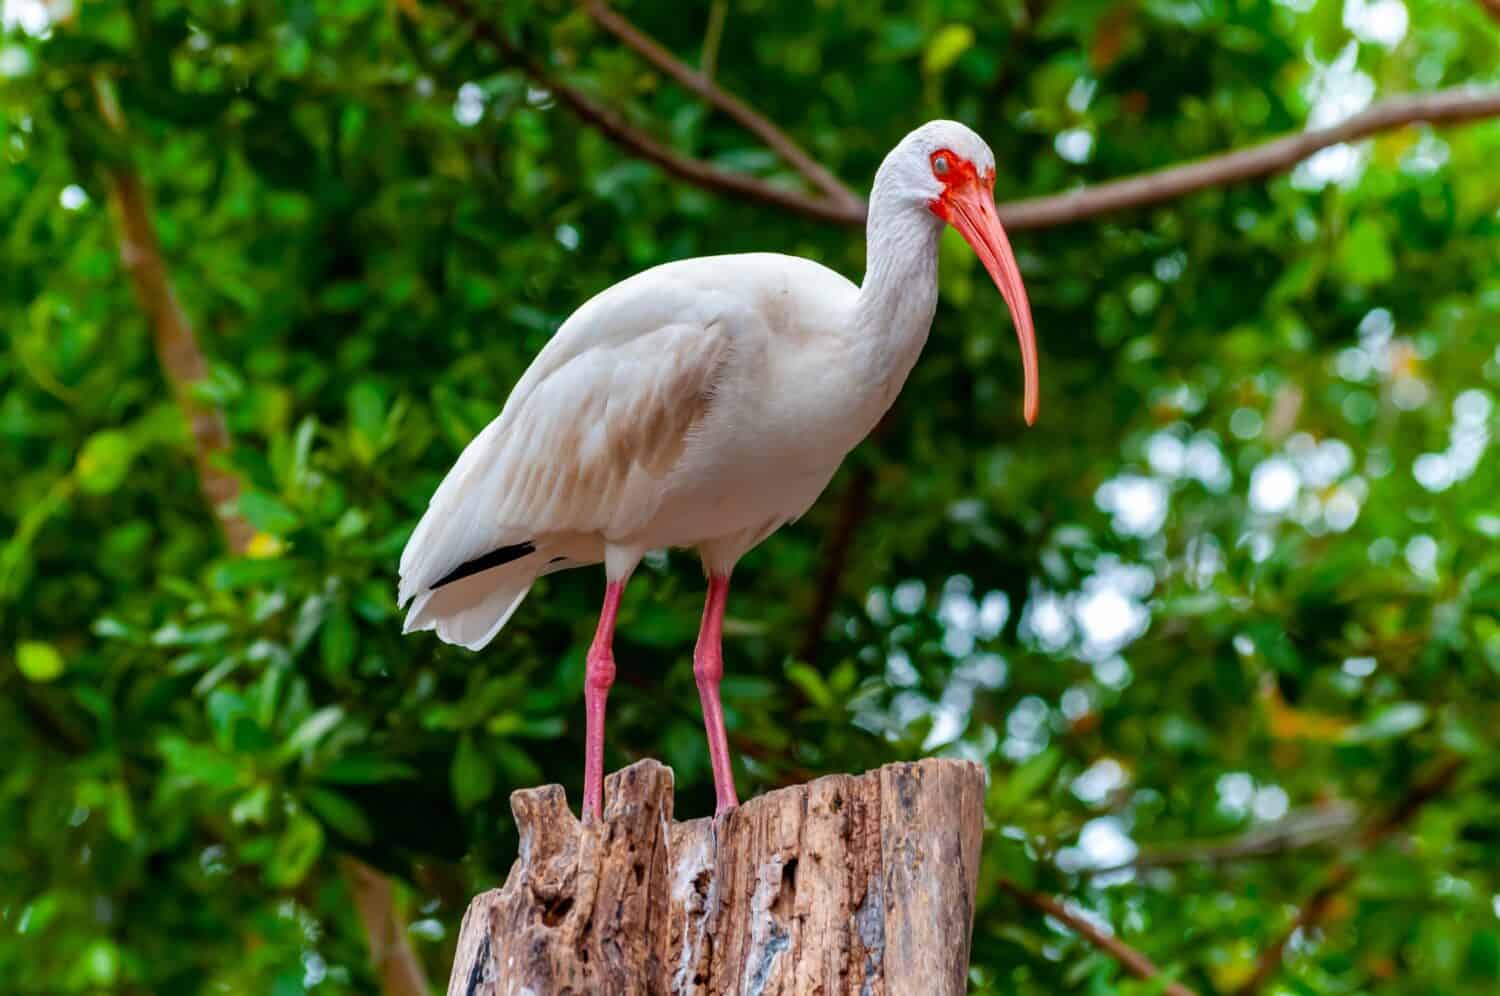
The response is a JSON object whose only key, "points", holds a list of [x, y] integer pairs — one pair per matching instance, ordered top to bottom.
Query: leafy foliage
{"points": [[1240, 579]]}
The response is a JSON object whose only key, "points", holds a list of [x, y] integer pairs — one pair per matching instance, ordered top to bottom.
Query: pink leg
{"points": [[708, 668], [600, 675]]}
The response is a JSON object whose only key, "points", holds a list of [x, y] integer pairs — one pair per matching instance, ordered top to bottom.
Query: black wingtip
{"points": [[495, 558]]}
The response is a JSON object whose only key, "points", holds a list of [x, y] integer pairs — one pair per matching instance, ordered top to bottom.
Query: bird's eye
{"points": [[940, 165]]}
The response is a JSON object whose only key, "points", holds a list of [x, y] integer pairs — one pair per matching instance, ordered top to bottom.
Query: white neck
{"points": [[899, 294]]}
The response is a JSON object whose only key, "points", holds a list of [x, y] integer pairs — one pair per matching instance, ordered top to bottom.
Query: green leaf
{"points": [[1076, 17], [944, 48], [1364, 254], [343, 296], [366, 420], [301, 455], [105, 461], [267, 513], [245, 572], [199, 634], [337, 640], [39, 661], [843, 679], [812, 685], [267, 694], [224, 707], [1389, 722], [514, 724], [311, 730], [198, 763], [519, 766], [365, 771], [473, 774], [1028, 779], [253, 806], [121, 813], [340, 814], [296, 850], [1008, 855], [101, 963]]}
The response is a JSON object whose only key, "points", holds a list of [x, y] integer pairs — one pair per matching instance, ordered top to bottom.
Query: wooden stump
{"points": [[846, 886]]}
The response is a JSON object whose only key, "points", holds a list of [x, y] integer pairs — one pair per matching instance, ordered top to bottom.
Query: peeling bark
{"points": [[846, 886]]}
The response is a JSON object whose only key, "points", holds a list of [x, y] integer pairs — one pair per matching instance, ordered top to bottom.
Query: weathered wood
{"points": [[846, 886]]}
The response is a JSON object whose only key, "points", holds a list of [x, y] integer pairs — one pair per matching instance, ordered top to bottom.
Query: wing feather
{"points": [[585, 441]]}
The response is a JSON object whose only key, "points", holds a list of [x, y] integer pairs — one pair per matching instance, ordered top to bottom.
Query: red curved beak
{"points": [[971, 210]]}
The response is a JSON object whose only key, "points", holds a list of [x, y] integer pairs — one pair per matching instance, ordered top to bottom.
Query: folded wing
{"points": [[584, 445]]}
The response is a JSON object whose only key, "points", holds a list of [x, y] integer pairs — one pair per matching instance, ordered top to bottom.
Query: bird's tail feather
{"points": [[469, 612]]}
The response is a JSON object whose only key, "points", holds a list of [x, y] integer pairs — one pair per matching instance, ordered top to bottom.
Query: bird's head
{"points": [[946, 169]]}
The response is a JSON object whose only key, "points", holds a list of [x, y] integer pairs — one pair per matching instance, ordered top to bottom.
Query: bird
{"points": [[700, 404]]}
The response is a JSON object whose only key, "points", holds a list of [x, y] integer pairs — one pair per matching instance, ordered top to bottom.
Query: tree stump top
{"points": [[851, 884]]}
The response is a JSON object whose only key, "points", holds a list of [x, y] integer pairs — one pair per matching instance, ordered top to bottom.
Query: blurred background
{"points": [[1224, 627]]}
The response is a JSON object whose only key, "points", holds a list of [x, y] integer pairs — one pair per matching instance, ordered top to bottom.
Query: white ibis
{"points": [[703, 403]]}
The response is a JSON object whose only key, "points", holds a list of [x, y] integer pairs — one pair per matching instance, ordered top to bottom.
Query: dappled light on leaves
{"points": [[1213, 625]]}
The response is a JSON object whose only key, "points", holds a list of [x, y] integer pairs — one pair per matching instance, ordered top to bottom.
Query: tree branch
{"points": [[1492, 7], [1452, 106], [742, 113], [614, 127], [182, 362], [184, 365], [854, 508], [1324, 824], [1317, 905], [391, 956], [1133, 961]]}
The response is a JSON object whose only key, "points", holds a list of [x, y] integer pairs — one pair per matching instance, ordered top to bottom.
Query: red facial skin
{"points": [[968, 204]]}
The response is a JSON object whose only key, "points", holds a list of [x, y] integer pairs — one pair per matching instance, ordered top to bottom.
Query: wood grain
{"points": [[845, 886]]}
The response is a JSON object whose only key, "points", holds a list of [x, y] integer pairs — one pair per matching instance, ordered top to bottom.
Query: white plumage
{"points": [[703, 403], [622, 434]]}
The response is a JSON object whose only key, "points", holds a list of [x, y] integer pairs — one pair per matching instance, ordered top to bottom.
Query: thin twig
{"points": [[1492, 7], [708, 60], [1451, 106], [742, 113], [614, 127], [854, 508], [1323, 825], [1340, 875], [1133, 961], [395, 963]]}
